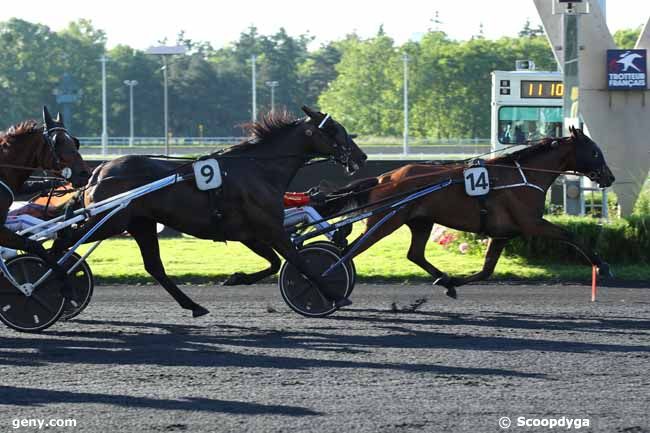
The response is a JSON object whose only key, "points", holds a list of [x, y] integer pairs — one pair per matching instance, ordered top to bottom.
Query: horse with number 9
{"points": [[247, 208]]}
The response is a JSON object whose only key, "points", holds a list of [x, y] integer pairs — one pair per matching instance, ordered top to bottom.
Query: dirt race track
{"points": [[135, 362]]}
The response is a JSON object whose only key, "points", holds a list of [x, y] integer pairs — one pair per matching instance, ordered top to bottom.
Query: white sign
{"points": [[207, 174], [477, 181]]}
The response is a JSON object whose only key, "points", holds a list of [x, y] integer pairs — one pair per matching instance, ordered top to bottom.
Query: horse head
{"points": [[331, 138], [64, 150], [589, 159]]}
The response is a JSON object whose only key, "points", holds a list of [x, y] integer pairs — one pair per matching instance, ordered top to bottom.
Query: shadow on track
{"points": [[501, 320], [197, 346], [217, 346], [40, 397]]}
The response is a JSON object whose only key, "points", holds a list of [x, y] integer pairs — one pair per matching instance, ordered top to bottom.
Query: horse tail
{"points": [[350, 196]]}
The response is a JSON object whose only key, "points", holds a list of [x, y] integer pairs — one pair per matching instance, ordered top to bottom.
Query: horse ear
{"points": [[311, 113], [59, 117], [47, 119]]}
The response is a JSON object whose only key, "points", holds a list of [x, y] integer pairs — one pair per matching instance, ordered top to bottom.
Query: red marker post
{"points": [[594, 278]]}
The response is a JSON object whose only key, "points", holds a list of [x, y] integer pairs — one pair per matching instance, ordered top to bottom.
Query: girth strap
{"points": [[483, 214]]}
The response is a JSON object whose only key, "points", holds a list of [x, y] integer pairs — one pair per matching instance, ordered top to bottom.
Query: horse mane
{"points": [[28, 127], [268, 128], [531, 149]]}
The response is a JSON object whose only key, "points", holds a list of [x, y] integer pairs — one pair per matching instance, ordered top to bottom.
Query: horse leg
{"points": [[543, 228], [420, 231], [144, 233], [262, 250], [494, 250]]}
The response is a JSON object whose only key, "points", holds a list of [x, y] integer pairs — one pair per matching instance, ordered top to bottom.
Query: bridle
{"points": [[48, 133], [342, 152], [65, 172]]}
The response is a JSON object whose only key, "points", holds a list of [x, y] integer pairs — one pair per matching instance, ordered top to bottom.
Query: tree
{"points": [[528, 32], [626, 38], [79, 48], [317, 72], [27, 73], [359, 81], [362, 96]]}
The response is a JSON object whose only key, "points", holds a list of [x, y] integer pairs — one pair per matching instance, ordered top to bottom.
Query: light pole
{"points": [[165, 51], [103, 59], [131, 84], [272, 85], [254, 89], [405, 144]]}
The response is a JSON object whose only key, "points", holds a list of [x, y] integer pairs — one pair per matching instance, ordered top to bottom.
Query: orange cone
{"points": [[594, 277]]}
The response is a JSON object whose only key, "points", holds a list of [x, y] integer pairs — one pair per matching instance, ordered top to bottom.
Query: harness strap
{"points": [[320, 126], [523, 178]]}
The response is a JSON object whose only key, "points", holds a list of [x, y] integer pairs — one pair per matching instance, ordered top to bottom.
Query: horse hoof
{"points": [[235, 279], [451, 292], [342, 303], [199, 311]]}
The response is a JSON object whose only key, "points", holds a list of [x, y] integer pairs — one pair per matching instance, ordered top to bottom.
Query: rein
{"points": [[191, 160], [458, 166], [25, 167]]}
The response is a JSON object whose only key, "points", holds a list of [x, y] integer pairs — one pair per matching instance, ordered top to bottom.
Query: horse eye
{"points": [[595, 154]]}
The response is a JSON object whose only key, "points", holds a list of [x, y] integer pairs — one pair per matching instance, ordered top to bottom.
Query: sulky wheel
{"points": [[350, 264], [81, 284], [301, 295], [31, 313]]}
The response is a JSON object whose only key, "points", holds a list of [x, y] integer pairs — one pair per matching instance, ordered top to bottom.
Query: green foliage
{"points": [[528, 31], [626, 38], [359, 80], [365, 82], [449, 83], [642, 206], [624, 241]]}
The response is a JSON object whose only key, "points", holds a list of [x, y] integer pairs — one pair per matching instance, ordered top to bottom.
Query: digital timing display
{"points": [[542, 89]]}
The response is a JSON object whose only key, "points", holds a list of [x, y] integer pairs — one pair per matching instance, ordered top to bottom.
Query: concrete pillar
{"points": [[617, 120]]}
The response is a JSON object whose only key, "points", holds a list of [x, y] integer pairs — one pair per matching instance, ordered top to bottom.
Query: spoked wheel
{"points": [[350, 264], [81, 284], [301, 295], [31, 313]]}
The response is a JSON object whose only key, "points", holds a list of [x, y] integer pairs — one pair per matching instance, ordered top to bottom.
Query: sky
{"points": [[141, 24]]}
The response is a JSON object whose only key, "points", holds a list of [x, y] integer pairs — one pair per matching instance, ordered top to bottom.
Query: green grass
{"points": [[193, 260]]}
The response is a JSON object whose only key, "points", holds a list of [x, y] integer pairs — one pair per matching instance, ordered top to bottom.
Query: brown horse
{"points": [[25, 148], [513, 207], [248, 208]]}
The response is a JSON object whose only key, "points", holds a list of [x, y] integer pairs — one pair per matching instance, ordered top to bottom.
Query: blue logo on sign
{"points": [[626, 69]]}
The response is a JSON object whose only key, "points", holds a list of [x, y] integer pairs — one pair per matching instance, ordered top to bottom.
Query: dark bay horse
{"points": [[24, 148], [513, 207], [248, 208]]}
